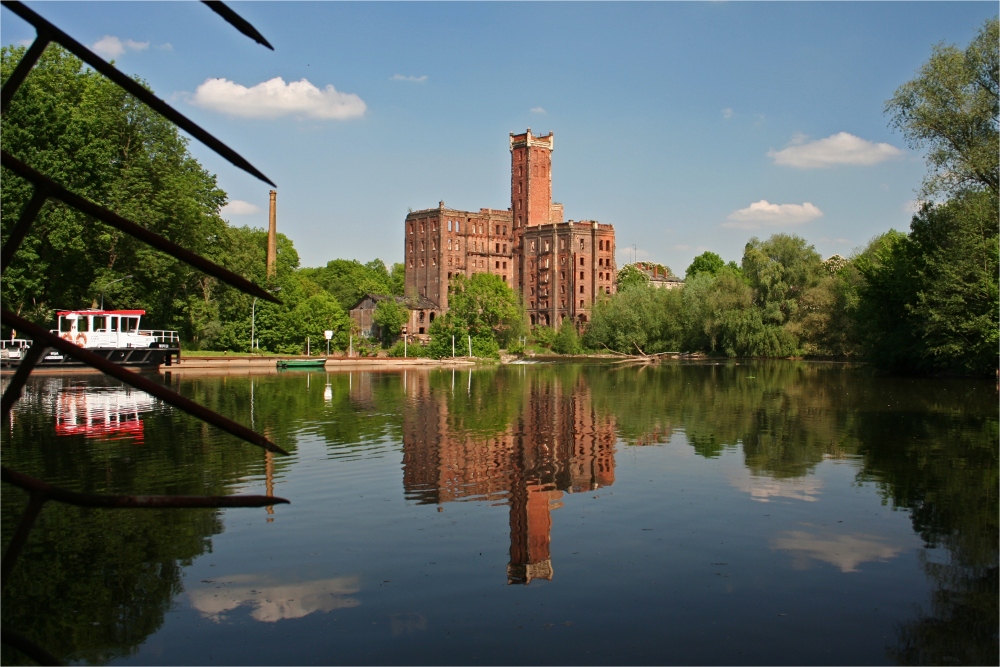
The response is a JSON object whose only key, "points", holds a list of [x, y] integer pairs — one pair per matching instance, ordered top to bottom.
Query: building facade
{"points": [[559, 268], [421, 314]]}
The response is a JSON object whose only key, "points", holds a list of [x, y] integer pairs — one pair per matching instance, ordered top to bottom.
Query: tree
{"points": [[951, 109], [74, 125], [954, 247], [706, 262], [779, 270], [630, 276], [397, 279], [350, 280], [929, 300], [486, 307], [720, 315], [390, 317], [637, 320], [889, 332], [448, 336]]}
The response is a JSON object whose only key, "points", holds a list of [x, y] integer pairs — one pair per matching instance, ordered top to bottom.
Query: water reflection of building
{"points": [[102, 412], [555, 442]]}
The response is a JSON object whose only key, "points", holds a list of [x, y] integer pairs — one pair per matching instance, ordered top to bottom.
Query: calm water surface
{"points": [[763, 513]]}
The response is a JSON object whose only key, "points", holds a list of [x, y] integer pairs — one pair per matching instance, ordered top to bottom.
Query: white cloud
{"points": [[110, 46], [166, 46], [411, 79], [275, 98], [537, 110], [727, 113], [837, 149], [238, 207], [765, 214]]}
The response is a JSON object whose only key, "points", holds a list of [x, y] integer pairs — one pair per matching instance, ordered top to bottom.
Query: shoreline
{"points": [[226, 364], [252, 364]]}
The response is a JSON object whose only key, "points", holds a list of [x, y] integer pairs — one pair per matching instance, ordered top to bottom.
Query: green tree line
{"points": [[75, 126]]}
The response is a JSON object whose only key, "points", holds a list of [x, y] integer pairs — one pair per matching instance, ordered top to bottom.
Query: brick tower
{"points": [[531, 180], [530, 189]]}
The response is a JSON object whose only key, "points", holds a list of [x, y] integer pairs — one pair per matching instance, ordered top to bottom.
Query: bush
{"points": [[544, 336], [567, 341], [483, 346], [412, 350]]}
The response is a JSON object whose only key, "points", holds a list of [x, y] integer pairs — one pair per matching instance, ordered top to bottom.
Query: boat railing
{"points": [[161, 335], [134, 338], [14, 348]]}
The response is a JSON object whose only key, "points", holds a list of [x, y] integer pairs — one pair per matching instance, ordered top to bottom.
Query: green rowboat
{"points": [[301, 363]]}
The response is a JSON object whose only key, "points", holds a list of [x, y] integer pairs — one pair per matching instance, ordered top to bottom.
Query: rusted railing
{"points": [[45, 188]]}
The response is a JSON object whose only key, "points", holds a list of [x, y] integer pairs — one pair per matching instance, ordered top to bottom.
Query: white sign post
{"points": [[329, 335]]}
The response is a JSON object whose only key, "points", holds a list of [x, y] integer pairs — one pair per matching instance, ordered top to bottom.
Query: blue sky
{"points": [[689, 126]]}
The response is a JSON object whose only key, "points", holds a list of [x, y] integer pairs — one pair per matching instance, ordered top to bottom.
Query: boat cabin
{"points": [[110, 329]]}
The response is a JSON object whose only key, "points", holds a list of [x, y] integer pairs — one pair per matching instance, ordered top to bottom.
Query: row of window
{"points": [[456, 225], [601, 245], [501, 248], [450, 274], [545, 304]]}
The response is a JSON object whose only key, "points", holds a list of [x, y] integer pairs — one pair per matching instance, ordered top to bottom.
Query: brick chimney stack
{"points": [[272, 237]]}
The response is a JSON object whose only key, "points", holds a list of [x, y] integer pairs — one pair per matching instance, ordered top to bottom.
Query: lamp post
{"points": [[107, 285]]}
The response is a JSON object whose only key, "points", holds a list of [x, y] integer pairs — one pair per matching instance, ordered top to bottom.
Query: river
{"points": [[704, 513]]}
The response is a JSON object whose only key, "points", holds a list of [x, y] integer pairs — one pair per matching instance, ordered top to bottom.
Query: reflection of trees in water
{"points": [[786, 416], [518, 434], [929, 445], [940, 463], [93, 584]]}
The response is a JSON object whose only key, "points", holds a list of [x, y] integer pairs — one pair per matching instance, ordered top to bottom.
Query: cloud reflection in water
{"points": [[763, 489], [843, 551], [273, 601]]}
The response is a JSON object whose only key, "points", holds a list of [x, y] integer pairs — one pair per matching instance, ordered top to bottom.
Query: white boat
{"points": [[112, 334]]}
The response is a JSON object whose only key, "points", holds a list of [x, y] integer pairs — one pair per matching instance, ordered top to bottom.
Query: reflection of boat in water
{"points": [[112, 334], [105, 413]]}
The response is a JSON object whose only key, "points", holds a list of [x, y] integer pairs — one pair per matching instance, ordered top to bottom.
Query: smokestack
{"points": [[272, 237]]}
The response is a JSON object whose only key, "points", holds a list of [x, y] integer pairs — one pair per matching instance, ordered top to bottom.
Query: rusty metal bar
{"points": [[237, 21], [17, 77], [134, 88], [57, 191], [16, 236], [41, 337], [24, 368], [49, 492], [20, 537], [28, 648]]}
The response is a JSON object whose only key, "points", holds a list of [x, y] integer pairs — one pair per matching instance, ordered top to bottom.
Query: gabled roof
{"points": [[412, 303]]}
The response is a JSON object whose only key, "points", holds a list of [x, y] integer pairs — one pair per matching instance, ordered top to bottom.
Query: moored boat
{"points": [[112, 334], [302, 363]]}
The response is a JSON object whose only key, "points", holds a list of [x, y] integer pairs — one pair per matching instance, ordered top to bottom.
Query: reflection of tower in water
{"points": [[555, 442]]}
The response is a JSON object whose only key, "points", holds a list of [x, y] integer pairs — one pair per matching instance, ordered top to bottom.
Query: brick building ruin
{"points": [[559, 268]]}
